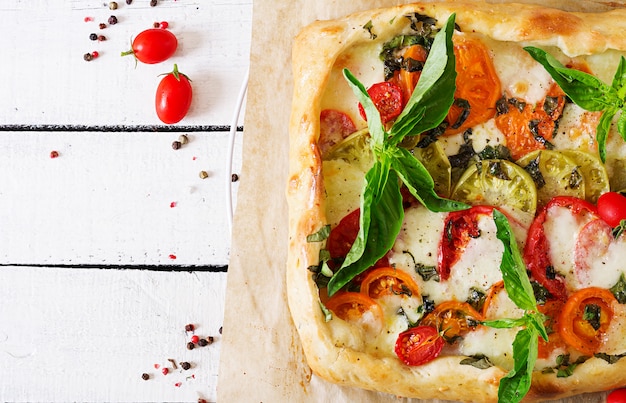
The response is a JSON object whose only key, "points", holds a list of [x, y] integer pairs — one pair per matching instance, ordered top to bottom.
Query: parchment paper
{"points": [[261, 356]]}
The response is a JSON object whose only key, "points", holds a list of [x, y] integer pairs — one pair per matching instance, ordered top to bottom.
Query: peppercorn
{"points": [[129, 2], [153, 3], [112, 5], [112, 20], [102, 25], [156, 25], [164, 25], [93, 37], [102, 38], [95, 54], [88, 57], [183, 139], [176, 145], [204, 174], [234, 178], [189, 328], [220, 330], [210, 340], [202, 342], [190, 346], [185, 365], [165, 371], [145, 376]]}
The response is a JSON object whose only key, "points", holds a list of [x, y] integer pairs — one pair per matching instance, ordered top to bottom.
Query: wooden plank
{"points": [[42, 45], [115, 198], [89, 335]]}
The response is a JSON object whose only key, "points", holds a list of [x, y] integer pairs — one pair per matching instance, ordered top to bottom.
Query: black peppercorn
{"points": [[129, 1], [153, 3], [112, 20], [93, 37], [88, 57], [176, 145], [234, 178], [189, 328], [220, 329], [210, 340], [202, 342], [190, 346], [185, 365], [145, 376]]}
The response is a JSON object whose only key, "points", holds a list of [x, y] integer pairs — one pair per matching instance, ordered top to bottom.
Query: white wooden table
{"points": [[110, 249]]}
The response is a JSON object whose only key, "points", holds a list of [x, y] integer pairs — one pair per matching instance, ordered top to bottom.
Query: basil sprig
{"points": [[590, 93], [382, 212], [514, 385]]}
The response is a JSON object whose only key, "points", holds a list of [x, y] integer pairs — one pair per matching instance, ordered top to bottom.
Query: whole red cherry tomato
{"points": [[153, 46], [173, 97], [612, 208], [617, 396]]}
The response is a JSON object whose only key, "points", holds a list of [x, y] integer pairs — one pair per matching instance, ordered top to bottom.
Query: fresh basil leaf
{"points": [[619, 79], [586, 90], [434, 91], [374, 123], [602, 131], [419, 182], [381, 221], [320, 235], [513, 268], [537, 320], [505, 323], [515, 384]]}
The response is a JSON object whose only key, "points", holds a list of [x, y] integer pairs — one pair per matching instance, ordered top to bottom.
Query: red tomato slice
{"points": [[476, 82], [387, 98], [334, 127], [612, 208], [459, 227], [342, 237], [592, 244], [537, 248], [388, 281], [351, 306], [551, 309], [452, 319], [576, 329], [419, 345], [617, 396]]}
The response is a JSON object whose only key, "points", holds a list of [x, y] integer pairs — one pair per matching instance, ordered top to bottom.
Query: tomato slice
{"points": [[407, 77], [478, 87], [387, 98], [334, 127], [528, 127], [612, 208], [459, 227], [342, 237], [592, 244], [537, 248], [388, 281], [352, 306], [585, 318], [453, 319], [419, 345]]}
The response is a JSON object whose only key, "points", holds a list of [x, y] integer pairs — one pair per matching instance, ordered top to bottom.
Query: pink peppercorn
{"points": [[164, 25], [54, 154], [194, 339], [165, 371]]}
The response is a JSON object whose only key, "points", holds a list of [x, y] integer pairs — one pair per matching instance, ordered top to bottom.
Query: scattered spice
{"points": [[129, 2], [153, 3], [112, 5], [88, 19], [112, 20], [102, 25], [156, 25], [164, 25], [93, 36], [102, 38], [94, 54], [88, 57], [183, 139], [176, 145], [54, 154], [204, 174], [234, 178], [173, 204], [172, 256], [189, 328], [220, 330], [195, 339], [210, 339], [203, 342], [190, 346], [173, 363], [185, 365], [157, 366], [165, 371], [145, 376], [178, 384], [200, 400]]}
